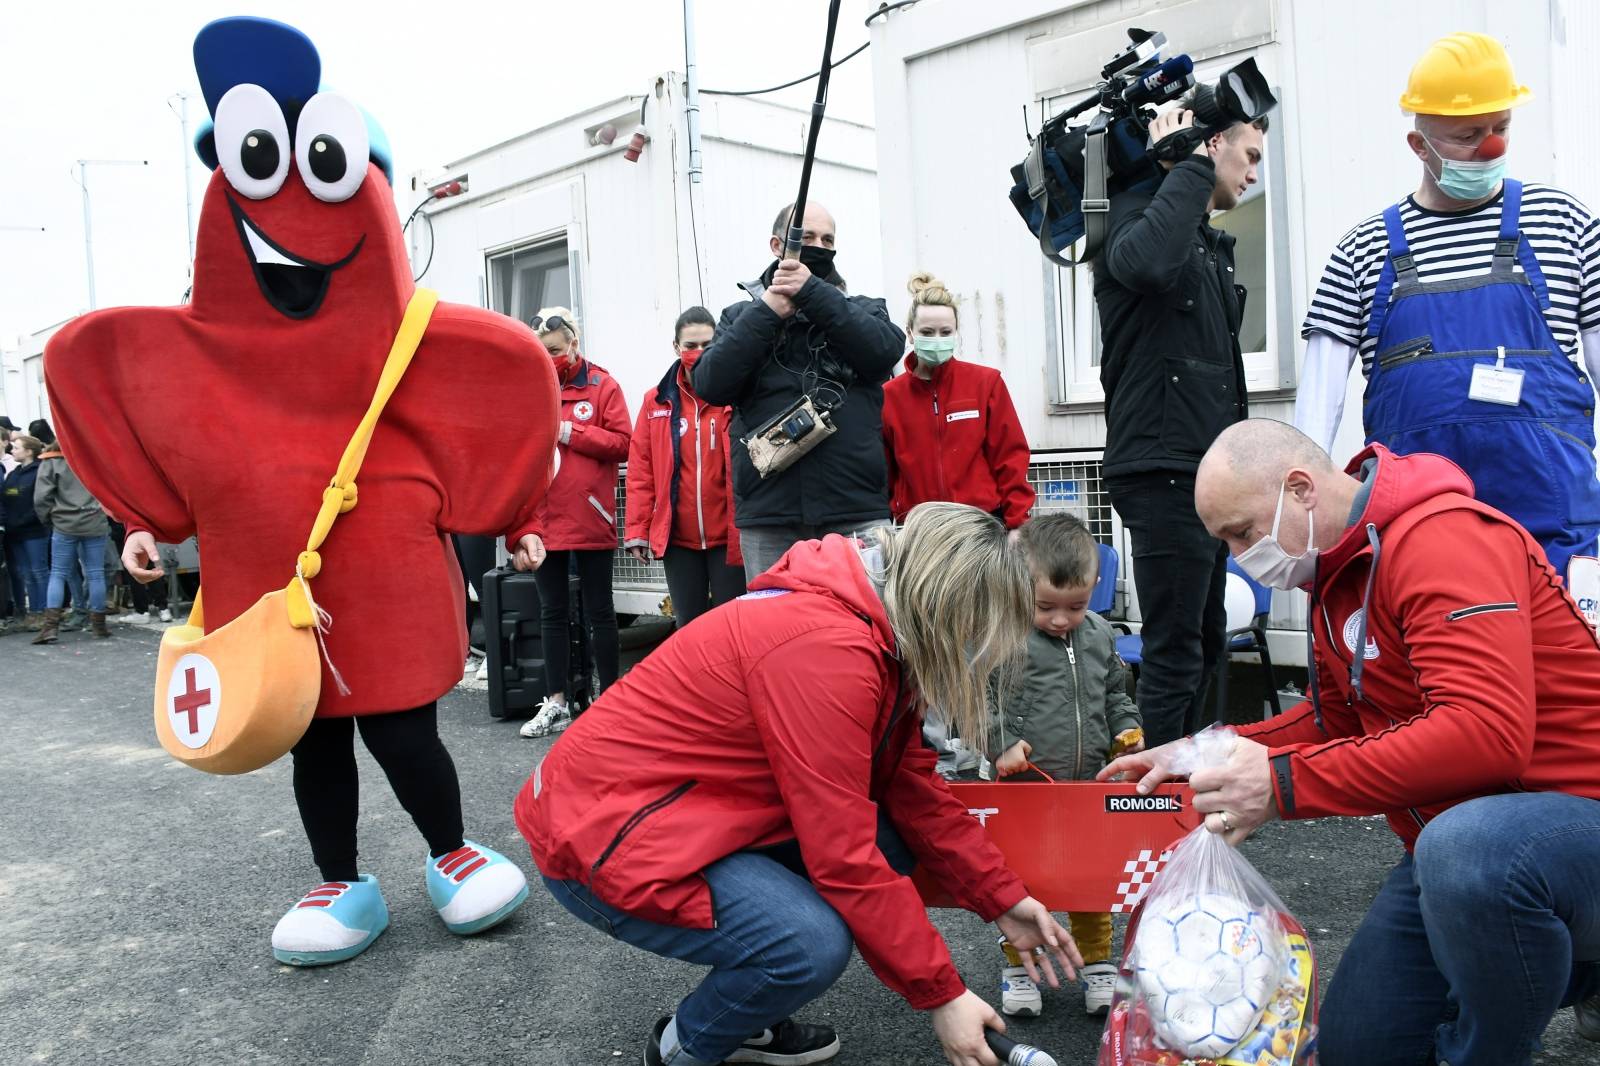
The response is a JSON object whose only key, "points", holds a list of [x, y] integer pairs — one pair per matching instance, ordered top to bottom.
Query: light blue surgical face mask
{"points": [[1465, 180], [934, 351]]}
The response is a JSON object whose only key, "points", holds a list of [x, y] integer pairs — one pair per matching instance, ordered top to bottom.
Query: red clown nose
{"points": [[1492, 147]]}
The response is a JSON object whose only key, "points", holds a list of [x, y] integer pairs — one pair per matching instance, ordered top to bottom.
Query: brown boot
{"points": [[52, 621], [97, 624]]}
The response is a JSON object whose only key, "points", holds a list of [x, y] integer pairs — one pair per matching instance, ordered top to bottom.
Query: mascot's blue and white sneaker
{"points": [[475, 888], [335, 921]]}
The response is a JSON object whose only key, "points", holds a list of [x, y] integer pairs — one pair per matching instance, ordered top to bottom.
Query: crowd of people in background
{"points": [[60, 570]]}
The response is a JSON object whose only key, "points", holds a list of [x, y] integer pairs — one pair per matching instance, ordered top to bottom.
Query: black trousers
{"points": [[1180, 572], [699, 580], [555, 615], [407, 745]]}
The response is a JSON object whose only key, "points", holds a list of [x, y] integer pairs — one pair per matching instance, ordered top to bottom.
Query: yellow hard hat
{"points": [[1463, 74]]}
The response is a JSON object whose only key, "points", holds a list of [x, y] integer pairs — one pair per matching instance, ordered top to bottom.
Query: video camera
{"points": [[1136, 79], [1063, 188]]}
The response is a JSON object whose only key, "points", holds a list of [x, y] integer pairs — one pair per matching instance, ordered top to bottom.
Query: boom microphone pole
{"points": [[797, 217]]}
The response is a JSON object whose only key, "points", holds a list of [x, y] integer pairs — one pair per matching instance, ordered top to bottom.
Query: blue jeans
{"points": [[66, 552], [30, 567], [777, 944], [1472, 945]]}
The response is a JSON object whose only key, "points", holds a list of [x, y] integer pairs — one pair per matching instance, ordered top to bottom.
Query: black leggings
{"points": [[700, 579], [594, 585], [407, 745]]}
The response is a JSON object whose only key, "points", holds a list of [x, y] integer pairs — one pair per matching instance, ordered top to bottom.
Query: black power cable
{"points": [[881, 10], [788, 84], [415, 212]]}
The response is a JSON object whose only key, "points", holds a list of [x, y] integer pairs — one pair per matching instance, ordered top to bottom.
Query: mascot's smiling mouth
{"points": [[292, 284]]}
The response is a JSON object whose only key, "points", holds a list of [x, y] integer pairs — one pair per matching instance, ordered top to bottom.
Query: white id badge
{"points": [[1493, 383]]}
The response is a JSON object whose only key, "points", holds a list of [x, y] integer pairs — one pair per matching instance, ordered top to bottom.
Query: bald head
{"points": [[817, 227], [1237, 487]]}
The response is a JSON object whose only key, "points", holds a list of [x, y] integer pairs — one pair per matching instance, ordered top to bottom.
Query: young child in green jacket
{"points": [[1070, 717]]}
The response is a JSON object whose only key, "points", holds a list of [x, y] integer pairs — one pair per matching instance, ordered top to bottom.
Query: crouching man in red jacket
{"points": [[1455, 692], [720, 804]]}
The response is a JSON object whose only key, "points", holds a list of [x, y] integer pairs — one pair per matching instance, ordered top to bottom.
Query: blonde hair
{"points": [[928, 291], [566, 316], [958, 594]]}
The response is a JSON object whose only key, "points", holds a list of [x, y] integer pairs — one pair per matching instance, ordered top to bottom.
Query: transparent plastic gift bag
{"points": [[1215, 971]]}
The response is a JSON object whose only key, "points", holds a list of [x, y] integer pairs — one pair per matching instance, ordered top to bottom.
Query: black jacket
{"points": [[1169, 320], [760, 363], [22, 522]]}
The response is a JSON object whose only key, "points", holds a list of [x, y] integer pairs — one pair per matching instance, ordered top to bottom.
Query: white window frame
{"points": [[532, 246], [1069, 291]]}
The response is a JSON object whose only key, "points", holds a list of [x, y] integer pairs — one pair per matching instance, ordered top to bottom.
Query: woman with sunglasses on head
{"points": [[680, 507], [576, 522]]}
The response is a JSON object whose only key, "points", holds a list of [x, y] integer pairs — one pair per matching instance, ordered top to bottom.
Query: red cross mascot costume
{"points": [[227, 416]]}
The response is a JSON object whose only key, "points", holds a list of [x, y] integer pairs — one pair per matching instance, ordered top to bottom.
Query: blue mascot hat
{"points": [[245, 50]]}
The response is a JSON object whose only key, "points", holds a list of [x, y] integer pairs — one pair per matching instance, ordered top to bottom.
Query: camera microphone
{"points": [[1166, 82], [1015, 1054]]}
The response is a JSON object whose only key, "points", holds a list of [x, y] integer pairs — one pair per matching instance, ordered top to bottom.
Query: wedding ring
{"points": [[1227, 826]]}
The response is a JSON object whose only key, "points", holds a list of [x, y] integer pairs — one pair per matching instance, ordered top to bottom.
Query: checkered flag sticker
{"points": [[1138, 872]]}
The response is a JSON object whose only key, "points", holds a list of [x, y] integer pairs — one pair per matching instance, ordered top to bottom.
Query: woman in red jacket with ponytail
{"points": [[949, 429], [680, 504], [576, 521]]}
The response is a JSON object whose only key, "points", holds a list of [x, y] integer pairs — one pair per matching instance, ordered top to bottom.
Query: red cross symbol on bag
{"points": [[194, 695]]}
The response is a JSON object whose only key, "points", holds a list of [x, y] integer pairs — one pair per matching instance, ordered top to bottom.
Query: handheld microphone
{"points": [[1168, 81], [1015, 1054]]}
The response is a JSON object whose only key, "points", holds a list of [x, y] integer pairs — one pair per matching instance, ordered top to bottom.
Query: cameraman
{"points": [[800, 335], [1173, 379]]}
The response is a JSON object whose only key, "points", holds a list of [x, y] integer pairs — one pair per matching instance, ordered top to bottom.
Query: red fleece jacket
{"points": [[955, 437], [1478, 674], [772, 718]]}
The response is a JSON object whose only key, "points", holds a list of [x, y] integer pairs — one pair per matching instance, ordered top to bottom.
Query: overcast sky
{"points": [[91, 79]]}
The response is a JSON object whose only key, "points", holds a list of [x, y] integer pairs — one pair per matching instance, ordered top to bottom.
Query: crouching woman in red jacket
{"points": [[950, 431], [680, 502], [721, 803]]}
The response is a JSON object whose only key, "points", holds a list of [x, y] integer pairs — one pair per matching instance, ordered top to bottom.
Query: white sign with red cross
{"points": [[583, 410], [194, 694]]}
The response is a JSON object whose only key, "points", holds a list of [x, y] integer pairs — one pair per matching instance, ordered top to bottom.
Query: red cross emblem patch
{"points": [[583, 410], [194, 695]]}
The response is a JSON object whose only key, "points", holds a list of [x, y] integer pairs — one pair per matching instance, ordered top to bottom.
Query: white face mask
{"points": [[1270, 565]]}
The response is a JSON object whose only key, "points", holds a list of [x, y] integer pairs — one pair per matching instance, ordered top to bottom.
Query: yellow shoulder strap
{"points": [[340, 495]]}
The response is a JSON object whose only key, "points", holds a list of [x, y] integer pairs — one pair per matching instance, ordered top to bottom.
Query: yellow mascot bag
{"points": [[239, 697]]}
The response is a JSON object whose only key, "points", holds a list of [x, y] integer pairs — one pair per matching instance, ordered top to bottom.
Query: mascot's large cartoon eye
{"points": [[252, 141], [331, 147]]}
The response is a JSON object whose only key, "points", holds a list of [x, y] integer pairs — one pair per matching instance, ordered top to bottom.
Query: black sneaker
{"points": [[1587, 1017], [789, 1043], [652, 1047]]}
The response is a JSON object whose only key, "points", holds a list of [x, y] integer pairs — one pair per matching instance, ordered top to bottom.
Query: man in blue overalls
{"points": [[1465, 303]]}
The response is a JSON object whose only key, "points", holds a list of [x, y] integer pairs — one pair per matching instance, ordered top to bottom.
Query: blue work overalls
{"points": [[1534, 460]]}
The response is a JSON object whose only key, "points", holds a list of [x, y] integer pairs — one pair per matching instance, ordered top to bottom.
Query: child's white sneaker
{"points": [[1099, 982], [1019, 996]]}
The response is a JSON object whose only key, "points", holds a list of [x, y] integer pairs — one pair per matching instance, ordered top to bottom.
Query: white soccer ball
{"points": [[1205, 966]]}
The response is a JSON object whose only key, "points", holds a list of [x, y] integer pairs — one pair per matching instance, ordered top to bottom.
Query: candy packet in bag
{"points": [[1215, 971]]}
